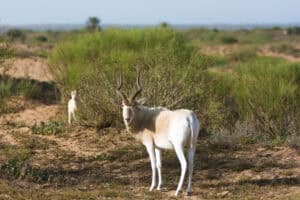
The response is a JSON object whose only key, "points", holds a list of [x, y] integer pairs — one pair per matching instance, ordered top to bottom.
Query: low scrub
{"points": [[293, 30], [16, 34], [229, 40], [286, 49], [243, 54], [92, 62], [31, 89], [260, 90], [265, 90], [48, 128], [293, 141]]}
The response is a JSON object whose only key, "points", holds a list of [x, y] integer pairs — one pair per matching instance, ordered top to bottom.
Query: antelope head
{"points": [[129, 105]]}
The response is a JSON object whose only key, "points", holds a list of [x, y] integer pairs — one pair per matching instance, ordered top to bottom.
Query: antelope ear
{"points": [[113, 101], [142, 101]]}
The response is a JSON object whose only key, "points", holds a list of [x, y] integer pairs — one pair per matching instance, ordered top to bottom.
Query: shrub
{"points": [[93, 24], [164, 25], [293, 30], [14, 34], [41, 38], [229, 40], [286, 49], [5, 51], [243, 54], [91, 62], [6, 88], [28, 88], [260, 90], [266, 90], [51, 127], [223, 140], [293, 141], [12, 168]]}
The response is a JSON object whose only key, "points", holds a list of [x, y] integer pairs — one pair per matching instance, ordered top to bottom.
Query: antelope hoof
{"points": [[151, 188], [190, 193]]}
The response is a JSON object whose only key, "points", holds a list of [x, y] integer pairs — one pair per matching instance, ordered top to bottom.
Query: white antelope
{"points": [[72, 106], [159, 128]]}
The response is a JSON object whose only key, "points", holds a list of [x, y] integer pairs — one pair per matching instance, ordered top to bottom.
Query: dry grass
{"points": [[86, 164]]}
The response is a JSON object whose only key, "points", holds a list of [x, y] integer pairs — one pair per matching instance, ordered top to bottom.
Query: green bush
{"points": [[294, 30], [14, 34], [254, 36], [41, 38], [229, 40], [286, 49], [5, 52], [243, 54], [91, 62], [6, 88], [28, 88], [264, 89], [260, 90], [46, 128], [223, 140], [293, 141], [18, 157]]}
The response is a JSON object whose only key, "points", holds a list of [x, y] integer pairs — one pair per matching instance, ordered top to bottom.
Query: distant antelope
{"points": [[72, 107], [159, 128]]}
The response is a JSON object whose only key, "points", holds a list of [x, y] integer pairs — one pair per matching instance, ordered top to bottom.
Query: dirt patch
{"points": [[21, 47], [220, 50], [266, 51], [32, 68], [31, 116], [8, 139], [80, 149], [85, 162]]}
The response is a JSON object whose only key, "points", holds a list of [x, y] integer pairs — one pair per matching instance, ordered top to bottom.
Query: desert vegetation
{"points": [[242, 84], [251, 88]]}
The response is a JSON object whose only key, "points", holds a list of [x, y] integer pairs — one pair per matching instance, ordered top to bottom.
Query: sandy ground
{"points": [[268, 52], [33, 68], [30, 117]]}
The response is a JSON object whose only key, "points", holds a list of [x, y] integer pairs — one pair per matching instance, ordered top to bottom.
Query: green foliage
{"points": [[93, 24], [164, 25], [294, 30], [14, 34], [256, 36], [229, 37], [41, 38], [229, 40], [286, 49], [5, 52], [243, 54], [91, 62], [272, 82], [6, 88], [31, 89], [264, 89], [261, 90], [46, 128], [223, 140], [293, 141], [17, 157]]}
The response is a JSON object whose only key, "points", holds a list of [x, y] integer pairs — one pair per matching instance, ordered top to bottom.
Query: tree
{"points": [[93, 24], [164, 25]]}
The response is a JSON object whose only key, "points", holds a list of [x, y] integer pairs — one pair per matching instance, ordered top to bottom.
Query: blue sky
{"points": [[150, 12]]}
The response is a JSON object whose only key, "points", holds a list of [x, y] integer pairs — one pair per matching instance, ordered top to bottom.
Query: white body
{"points": [[72, 107], [160, 128]]}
